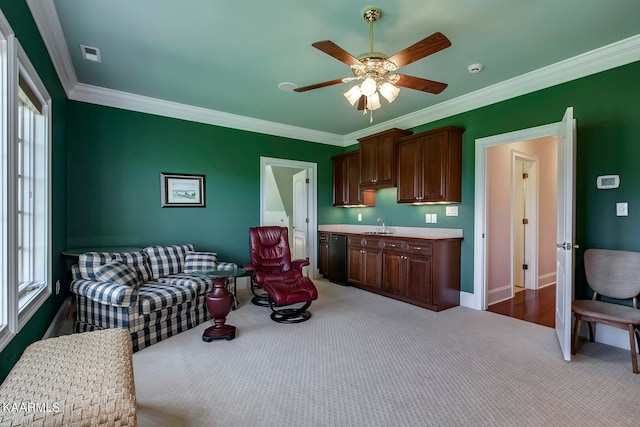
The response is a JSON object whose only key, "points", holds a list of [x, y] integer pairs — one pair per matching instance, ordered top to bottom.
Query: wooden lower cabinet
{"points": [[364, 266], [418, 271]]}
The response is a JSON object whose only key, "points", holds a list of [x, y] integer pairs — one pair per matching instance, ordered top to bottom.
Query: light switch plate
{"points": [[622, 209], [359, 217], [427, 218], [434, 218]]}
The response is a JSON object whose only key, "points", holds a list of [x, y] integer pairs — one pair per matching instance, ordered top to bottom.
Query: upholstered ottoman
{"points": [[289, 292], [83, 379]]}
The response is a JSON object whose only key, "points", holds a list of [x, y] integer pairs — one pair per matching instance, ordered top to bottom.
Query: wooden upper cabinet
{"points": [[378, 159], [430, 167], [346, 182]]}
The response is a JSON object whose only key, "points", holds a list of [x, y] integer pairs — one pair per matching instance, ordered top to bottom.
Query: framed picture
{"points": [[182, 190]]}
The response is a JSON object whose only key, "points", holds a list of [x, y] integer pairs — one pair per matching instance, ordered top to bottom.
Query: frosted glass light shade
{"points": [[368, 86], [389, 91], [353, 94], [373, 102]]}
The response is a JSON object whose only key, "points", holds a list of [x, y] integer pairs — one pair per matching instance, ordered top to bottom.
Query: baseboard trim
{"points": [[468, 299], [59, 319], [606, 334]]}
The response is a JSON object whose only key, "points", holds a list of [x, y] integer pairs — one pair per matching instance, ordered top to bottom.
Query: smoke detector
{"points": [[475, 68]]}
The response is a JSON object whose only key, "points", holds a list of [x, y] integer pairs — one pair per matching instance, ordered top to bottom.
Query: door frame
{"points": [[312, 202], [480, 217]]}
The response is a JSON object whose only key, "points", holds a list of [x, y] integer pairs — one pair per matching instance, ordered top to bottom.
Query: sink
{"points": [[378, 232]]}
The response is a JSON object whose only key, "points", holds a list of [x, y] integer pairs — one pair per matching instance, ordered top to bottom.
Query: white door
{"points": [[300, 216], [565, 233]]}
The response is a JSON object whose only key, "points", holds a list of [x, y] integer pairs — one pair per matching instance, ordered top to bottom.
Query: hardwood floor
{"points": [[532, 306]]}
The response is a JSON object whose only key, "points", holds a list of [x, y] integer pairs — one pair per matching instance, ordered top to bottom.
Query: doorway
{"points": [[563, 132], [288, 198], [521, 217]]}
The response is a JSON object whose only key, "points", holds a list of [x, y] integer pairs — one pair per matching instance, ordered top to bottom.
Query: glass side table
{"points": [[219, 303]]}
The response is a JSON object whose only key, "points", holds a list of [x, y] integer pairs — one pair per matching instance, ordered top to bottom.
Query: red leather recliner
{"points": [[278, 276]]}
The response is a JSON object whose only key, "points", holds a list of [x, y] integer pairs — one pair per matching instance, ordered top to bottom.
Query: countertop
{"points": [[415, 232]]}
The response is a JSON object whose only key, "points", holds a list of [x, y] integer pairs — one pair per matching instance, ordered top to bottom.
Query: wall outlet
{"points": [[622, 209], [451, 211], [359, 217], [431, 218]]}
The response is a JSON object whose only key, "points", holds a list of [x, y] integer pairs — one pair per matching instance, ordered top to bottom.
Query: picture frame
{"points": [[182, 190]]}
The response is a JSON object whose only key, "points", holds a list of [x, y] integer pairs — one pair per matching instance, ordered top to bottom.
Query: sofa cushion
{"points": [[138, 260], [166, 260], [200, 261], [118, 272], [202, 285], [154, 296]]}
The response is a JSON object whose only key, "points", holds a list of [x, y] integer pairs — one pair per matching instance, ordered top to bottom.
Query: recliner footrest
{"points": [[287, 292]]}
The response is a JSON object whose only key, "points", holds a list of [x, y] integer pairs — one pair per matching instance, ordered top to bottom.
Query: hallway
{"points": [[532, 306]]}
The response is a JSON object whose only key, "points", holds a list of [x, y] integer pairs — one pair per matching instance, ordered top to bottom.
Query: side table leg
{"points": [[219, 304]]}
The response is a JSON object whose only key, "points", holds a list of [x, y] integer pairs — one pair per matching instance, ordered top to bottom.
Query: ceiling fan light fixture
{"points": [[369, 86], [389, 91], [353, 94], [373, 101]]}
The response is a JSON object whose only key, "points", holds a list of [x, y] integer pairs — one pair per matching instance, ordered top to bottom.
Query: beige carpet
{"points": [[365, 360]]}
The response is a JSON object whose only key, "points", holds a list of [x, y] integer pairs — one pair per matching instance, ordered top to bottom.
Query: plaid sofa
{"points": [[152, 293]]}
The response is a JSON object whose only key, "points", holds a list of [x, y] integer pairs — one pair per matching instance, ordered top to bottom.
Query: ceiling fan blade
{"points": [[425, 47], [332, 49], [421, 84], [318, 85], [361, 103]]}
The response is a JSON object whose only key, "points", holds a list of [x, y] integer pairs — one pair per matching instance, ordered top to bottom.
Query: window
{"points": [[25, 261]]}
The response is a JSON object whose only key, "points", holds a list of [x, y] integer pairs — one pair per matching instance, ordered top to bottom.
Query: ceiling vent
{"points": [[90, 53]]}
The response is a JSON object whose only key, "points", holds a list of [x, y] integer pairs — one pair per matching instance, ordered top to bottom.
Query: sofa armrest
{"points": [[297, 264], [105, 293]]}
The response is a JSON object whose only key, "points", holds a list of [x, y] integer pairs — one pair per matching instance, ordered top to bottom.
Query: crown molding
{"points": [[44, 13], [46, 19], [607, 57], [127, 101]]}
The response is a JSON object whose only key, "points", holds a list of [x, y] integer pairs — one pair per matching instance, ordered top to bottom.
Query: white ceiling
{"points": [[220, 62]]}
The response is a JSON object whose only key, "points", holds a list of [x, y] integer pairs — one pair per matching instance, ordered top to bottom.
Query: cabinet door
{"points": [[368, 163], [434, 169], [409, 171], [340, 195], [354, 196], [354, 265], [372, 268], [392, 272], [418, 278]]}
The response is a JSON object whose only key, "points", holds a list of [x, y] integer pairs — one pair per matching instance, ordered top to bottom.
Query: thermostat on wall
{"points": [[606, 182]]}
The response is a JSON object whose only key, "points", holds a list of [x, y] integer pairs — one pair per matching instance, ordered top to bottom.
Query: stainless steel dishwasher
{"points": [[338, 259]]}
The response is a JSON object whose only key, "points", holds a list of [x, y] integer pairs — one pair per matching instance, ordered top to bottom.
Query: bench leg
{"points": [[632, 344]]}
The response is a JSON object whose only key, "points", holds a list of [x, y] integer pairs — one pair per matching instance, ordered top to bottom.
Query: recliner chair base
{"points": [[259, 299], [290, 315]]}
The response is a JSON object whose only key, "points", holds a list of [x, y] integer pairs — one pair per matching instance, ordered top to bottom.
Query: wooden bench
{"points": [[614, 274], [79, 379]]}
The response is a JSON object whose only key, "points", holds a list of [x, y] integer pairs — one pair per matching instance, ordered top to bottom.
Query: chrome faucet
{"points": [[384, 227]]}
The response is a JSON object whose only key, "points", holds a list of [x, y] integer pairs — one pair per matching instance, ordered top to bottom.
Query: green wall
{"points": [[19, 17], [608, 134], [114, 165], [106, 172]]}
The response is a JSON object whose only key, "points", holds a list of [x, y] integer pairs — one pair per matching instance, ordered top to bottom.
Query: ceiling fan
{"points": [[377, 70]]}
